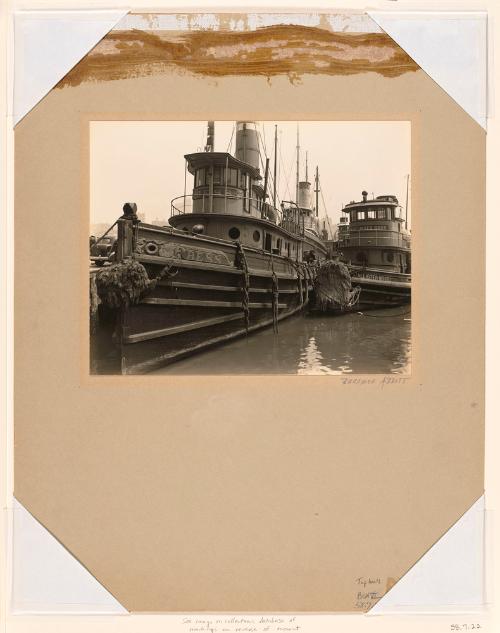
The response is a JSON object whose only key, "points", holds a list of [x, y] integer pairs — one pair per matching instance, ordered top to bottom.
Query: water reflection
{"points": [[377, 342]]}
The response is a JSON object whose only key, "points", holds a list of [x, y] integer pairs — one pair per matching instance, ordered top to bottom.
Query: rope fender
{"points": [[240, 261], [126, 282], [276, 295]]}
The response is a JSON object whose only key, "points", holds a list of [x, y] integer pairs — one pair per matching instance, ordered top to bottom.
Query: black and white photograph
{"points": [[250, 247]]}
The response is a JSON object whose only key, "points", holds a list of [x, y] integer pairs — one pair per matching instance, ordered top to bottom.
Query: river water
{"points": [[375, 342]]}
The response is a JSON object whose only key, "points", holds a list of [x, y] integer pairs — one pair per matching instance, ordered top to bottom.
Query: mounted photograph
{"points": [[250, 247]]}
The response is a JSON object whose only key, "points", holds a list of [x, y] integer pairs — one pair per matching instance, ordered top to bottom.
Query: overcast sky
{"points": [[142, 161]]}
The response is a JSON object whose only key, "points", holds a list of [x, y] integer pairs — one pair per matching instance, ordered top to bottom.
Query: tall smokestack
{"points": [[247, 143], [304, 201]]}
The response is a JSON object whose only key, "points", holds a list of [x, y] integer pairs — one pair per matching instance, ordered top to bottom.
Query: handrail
{"points": [[176, 210], [376, 240], [377, 273]]}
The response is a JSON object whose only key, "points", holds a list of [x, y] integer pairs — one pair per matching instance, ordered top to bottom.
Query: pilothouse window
{"points": [[217, 175], [200, 177], [232, 177]]}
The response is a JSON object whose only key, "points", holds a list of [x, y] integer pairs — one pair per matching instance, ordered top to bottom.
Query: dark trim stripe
{"points": [[185, 263], [184, 284], [205, 304], [178, 329]]}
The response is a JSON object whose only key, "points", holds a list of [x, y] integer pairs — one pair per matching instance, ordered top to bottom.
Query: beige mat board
{"points": [[248, 493]]}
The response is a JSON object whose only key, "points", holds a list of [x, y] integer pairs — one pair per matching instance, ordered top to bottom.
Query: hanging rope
{"points": [[104, 234], [240, 261], [296, 267], [299, 281], [276, 296]]}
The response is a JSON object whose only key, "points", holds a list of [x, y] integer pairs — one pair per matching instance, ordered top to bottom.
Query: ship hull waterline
{"points": [[202, 302]]}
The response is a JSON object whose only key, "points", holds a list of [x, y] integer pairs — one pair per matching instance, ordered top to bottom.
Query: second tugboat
{"points": [[371, 255], [230, 263]]}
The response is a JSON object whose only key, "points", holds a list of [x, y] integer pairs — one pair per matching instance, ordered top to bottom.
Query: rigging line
{"points": [[264, 137], [263, 142], [261, 150], [228, 151], [272, 175], [287, 188], [326, 213]]}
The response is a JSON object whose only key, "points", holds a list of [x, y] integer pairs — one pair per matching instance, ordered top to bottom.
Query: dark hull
{"points": [[378, 290], [381, 294], [200, 302]]}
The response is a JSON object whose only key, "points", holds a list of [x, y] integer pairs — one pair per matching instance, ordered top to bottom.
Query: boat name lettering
{"points": [[179, 251]]}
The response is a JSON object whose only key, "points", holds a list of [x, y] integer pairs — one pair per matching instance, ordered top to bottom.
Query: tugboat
{"points": [[373, 248], [230, 263]]}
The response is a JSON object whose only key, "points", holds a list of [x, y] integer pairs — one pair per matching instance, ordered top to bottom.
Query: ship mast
{"points": [[209, 147], [275, 163], [297, 175], [266, 179], [316, 190], [406, 206]]}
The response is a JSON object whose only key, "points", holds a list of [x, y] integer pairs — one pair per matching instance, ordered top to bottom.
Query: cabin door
{"points": [[268, 242]]}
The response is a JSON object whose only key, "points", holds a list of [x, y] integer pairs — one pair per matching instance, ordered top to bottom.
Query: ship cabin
{"points": [[229, 199], [374, 234]]}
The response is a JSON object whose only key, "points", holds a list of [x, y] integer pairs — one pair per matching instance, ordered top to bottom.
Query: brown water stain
{"points": [[268, 51]]}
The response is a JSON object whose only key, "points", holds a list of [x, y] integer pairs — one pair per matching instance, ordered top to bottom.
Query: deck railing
{"points": [[217, 202], [237, 204], [395, 240], [378, 273]]}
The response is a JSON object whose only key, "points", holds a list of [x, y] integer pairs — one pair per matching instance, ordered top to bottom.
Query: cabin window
{"points": [[217, 175], [200, 177], [232, 177], [242, 179], [246, 202], [371, 214], [381, 214], [360, 215], [234, 233], [256, 236], [268, 242], [278, 244], [288, 248], [361, 257], [390, 257]]}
